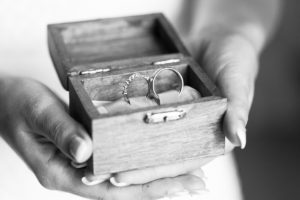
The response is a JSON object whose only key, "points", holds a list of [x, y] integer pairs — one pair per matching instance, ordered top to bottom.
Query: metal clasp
{"points": [[164, 116]]}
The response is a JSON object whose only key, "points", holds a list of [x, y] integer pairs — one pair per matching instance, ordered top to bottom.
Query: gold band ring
{"points": [[151, 88]]}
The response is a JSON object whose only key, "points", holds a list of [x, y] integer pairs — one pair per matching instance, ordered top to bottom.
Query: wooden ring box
{"points": [[93, 57]]}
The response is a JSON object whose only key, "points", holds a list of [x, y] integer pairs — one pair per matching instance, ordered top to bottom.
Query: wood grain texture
{"points": [[103, 40], [59, 57], [108, 86], [82, 109], [122, 140], [134, 144]]}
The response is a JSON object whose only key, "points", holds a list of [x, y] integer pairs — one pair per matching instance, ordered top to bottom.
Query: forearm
{"points": [[253, 19]]}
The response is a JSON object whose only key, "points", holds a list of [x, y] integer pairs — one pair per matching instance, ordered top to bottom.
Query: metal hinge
{"points": [[108, 69], [88, 72]]}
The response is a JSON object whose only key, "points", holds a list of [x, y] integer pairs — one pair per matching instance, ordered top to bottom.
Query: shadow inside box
{"points": [[269, 168]]}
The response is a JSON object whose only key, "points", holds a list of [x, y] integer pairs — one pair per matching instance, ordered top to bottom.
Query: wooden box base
{"points": [[93, 57]]}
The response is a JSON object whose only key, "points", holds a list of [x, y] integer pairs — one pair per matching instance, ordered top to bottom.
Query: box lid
{"points": [[88, 47]]}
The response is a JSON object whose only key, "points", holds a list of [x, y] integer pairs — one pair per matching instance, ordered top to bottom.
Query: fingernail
{"points": [[241, 133], [77, 149], [78, 165], [199, 173], [90, 179], [88, 182], [116, 183], [203, 191], [199, 193], [179, 195], [164, 198]]}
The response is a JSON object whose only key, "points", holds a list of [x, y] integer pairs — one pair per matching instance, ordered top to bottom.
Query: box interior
{"points": [[110, 40], [110, 87]]}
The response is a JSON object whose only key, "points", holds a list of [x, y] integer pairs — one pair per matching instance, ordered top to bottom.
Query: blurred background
{"points": [[270, 164]]}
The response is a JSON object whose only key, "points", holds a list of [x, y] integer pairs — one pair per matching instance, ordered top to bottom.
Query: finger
{"points": [[232, 63], [236, 82], [46, 113], [78, 165], [55, 172], [153, 173], [199, 173], [65, 178], [91, 179], [168, 187]]}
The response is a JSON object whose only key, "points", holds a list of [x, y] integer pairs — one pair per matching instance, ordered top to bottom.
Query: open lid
{"points": [[75, 46]]}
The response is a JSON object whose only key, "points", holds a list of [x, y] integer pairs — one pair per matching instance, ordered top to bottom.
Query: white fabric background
{"points": [[23, 52]]}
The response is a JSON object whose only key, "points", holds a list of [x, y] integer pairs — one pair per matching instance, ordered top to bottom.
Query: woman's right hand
{"points": [[36, 124]]}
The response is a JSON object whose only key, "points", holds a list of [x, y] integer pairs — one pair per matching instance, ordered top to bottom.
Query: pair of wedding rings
{"points": [[151, 94]]}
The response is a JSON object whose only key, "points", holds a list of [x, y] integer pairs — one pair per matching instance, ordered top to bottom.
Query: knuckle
{"points": [[34, 109], [39, 114], [56, 130]]}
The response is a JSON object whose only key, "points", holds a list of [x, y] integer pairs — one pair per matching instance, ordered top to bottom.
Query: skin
{"points": [[229, 42], [36, 124]]}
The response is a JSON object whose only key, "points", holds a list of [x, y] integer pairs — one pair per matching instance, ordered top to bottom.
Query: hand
{"points": [[231, 61], [35, 123]]}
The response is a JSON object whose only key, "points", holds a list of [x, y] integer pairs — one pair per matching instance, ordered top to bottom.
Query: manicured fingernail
{"points": [[241, 133], [74, 146], [78, 149], [78, 165], [199, 173], [90, 179], [88, 182], [116, 183], [199, 193], [179, 195], [164, 198]]}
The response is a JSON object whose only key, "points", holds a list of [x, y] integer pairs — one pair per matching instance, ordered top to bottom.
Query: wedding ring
{"points": [[127, 83], [151, 84], [151, 94]]}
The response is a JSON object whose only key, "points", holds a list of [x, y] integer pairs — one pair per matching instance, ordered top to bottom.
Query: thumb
{"points": [[233, 64], [239, 89], [48, 115]]}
